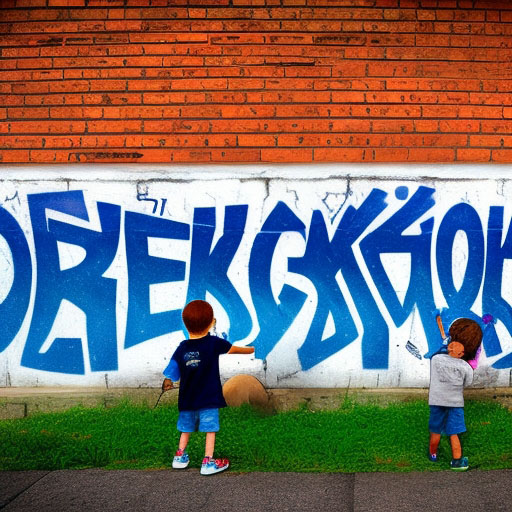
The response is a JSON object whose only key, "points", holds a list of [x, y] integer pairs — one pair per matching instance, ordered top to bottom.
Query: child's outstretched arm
{"points": [[240, 350]]}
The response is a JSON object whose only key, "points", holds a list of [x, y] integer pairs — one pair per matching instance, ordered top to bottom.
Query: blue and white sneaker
{"points": [[432, 457], [181, 460], [461, 464], [211, 466]]}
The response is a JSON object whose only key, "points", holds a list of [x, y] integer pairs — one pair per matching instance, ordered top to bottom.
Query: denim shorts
{"points": [[204, 420], [446, 420]]}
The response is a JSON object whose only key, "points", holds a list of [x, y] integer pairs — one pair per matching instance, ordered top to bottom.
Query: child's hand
{"points": [[235, 349], [167, 384]]}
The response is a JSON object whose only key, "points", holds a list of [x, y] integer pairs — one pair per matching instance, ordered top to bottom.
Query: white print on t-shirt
{"points": [[192, 359]]}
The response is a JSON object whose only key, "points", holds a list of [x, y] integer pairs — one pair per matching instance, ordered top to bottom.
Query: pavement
{"points": [[187, 490]]}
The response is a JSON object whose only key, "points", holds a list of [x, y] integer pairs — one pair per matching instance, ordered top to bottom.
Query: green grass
{"points": [[356, 437]]}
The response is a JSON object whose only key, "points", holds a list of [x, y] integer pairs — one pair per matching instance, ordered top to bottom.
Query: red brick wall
{"points": [[255, 81]]}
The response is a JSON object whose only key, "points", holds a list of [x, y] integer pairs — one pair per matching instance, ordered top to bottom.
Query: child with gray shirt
{"points": [[451, 370]]}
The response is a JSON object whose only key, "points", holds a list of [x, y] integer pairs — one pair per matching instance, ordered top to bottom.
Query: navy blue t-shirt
{"points": [[198, 362]]}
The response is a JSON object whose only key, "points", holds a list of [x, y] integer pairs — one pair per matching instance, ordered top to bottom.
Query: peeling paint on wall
{"points": [[335, 281]]}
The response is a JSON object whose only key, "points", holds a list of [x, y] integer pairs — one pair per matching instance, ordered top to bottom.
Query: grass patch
{"points": [[354, 438]]}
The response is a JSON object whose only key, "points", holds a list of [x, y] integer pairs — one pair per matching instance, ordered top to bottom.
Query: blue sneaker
{"points": [[432, 457], [181, 460], [459, 464], [211, 466]]}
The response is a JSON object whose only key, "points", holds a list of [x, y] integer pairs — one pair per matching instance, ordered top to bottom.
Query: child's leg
{"points": [[184, 438], [434, 442], [210, 444], [456, 446]]}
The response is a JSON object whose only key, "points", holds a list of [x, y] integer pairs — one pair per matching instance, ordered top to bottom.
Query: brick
{"points": [[21, 52], [299, 71], [244, 83], [285, 83], [106, 85], [497, 85], [68, 86], [295, 96], [167, 97], [347, 97], [111, 98], [9, 99], [490, 99], [299, 110], [202, 111], [386, 111], [439, 111], [477, 111], [75, 112], [139, 112], [27, 113], [392, 125], [424, 125], [68, 126], [124, 126], [176, 126], [459, 126], [256, 140], [334, 140], [440, 140], [179, 141], [496, 141], [20, 142], [337, 154], [386, 154], [42, 155], [107, 155], [187, 155], [235, 155], [292, 155], [431, 155], [473, 155], [501, 155], [14, 156]]}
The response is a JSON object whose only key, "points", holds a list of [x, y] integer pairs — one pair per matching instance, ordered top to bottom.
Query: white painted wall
{"points": [[178, 191]]}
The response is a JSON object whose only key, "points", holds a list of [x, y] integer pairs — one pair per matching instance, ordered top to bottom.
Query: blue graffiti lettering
{"points": [[389, 238], [327, 261], [321, 262], [209, 267], [145, 270], [83, 285], [491, 293], [14, 307], [274, 317]]}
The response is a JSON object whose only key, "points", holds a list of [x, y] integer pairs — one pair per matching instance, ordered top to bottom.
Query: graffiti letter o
{"points": [[14, 307]]}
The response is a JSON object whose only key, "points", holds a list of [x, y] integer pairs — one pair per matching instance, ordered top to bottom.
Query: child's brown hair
{"points": [[197, 316], [469, 333]]}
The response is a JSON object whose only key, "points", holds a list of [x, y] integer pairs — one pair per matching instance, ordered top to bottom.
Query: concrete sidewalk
{"points": [[96, 489]]}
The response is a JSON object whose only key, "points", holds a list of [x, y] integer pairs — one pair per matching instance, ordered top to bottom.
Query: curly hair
{"points": [[197, 316], [469, 333]]}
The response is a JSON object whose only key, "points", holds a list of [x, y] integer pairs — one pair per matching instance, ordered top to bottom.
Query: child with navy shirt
{"points": [[195, 363]]}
